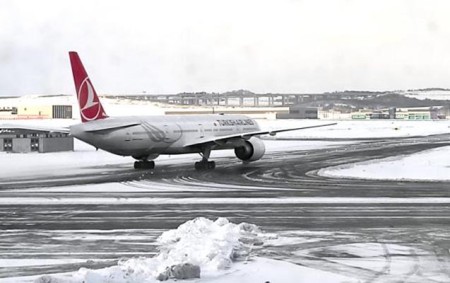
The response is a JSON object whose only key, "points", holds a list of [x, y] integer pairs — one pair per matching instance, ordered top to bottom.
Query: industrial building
{"points": [[21, 140]]}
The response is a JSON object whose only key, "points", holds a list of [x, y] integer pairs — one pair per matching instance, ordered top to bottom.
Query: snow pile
{"points": [[211, 245]]}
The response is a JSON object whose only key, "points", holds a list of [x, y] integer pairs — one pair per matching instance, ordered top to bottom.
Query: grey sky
{"points": [[264, 46]]}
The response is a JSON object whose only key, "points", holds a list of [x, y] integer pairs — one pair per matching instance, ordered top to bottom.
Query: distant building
{"points": [[6, 111], [36, 112], [299, 112], [416, 113], [332, 114], [362, 114], [374, 114], [31, 140]]}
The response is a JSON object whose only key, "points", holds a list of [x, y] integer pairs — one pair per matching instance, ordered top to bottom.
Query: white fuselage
{"points": [[149, 136]]}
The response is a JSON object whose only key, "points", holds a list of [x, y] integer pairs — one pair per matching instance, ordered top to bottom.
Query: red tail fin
{"points": [[90, 106]]}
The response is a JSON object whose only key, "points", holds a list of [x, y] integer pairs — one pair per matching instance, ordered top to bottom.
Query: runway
{"points": [[93, 219]]}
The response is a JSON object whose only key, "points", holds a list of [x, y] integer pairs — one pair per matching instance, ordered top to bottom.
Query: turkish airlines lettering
{"points": [[146, 137]]}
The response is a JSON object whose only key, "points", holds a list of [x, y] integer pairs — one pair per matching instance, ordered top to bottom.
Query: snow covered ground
{"points": [[436, 94], [115, 107], [364, 129], [85, 157], [430, 165], [433, 165], [223, 250]]}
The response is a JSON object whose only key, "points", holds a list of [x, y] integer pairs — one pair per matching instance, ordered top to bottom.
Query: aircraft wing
{"points": [[13, 127], [223, 139]]}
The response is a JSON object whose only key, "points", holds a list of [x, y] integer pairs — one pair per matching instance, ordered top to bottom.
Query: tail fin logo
{"points": [[90, 107]]}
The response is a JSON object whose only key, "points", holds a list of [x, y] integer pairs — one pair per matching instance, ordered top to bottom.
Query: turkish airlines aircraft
{"points": [[145, 138]]}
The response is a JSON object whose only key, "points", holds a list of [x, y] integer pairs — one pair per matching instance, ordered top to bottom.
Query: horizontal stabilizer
{"points": [[13, 127], [95, 127]]}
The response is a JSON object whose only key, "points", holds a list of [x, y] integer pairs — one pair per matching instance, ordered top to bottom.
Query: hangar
{"points": [[20, 139]]}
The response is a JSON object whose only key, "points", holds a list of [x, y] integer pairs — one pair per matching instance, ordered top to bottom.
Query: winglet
{"points": [[90, 106]]}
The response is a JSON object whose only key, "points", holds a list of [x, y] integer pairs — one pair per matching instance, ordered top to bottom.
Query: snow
{"points": [[428, 94], [38, 100], [114, 107], [124, 107], [362, 129], [343, 130], [86, 159], [44, 164], [429, 165], [240, 200], [222, 250], [364, 250], [394, 260], [36, 262], [256, 270], [268, 270]]}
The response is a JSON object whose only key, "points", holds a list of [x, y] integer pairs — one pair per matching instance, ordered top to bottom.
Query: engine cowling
{"points": [[252, 150]]}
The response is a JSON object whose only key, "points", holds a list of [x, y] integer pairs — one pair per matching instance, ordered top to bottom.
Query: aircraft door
{"points": [[201, 131], [127, 136]]}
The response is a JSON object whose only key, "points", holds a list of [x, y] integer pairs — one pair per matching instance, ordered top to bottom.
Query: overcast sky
{"points": [[172, 46]]}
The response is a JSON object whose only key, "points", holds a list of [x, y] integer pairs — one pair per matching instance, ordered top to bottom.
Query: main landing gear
{"points": [[145, 164], [205, 164]]}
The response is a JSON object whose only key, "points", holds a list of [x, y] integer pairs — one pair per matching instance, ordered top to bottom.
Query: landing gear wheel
{"points": [[144, 164], [205, 165]]}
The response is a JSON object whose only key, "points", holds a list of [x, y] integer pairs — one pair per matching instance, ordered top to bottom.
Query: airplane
{"points": [[146, 137]]}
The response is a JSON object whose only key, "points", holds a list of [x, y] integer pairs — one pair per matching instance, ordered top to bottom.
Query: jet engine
{"points": [[252, 150]]}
